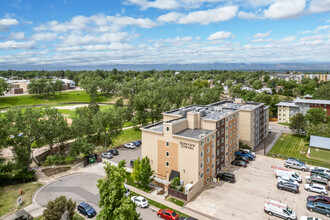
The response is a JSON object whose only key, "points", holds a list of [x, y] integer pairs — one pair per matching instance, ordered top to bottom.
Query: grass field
{"points": [[65, 97], [285, 124], [128, 135], [292, 145], [320, 154], [9, 195], [176, 201], [75, 217]]}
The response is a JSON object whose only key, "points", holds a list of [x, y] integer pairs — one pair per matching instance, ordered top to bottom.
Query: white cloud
{"points": [[318, 6], [285, 9], [248, 15], [202, 17], [6, 23], [320, 28], [220, 35], [262, 35], [17, 36], [44, 36], [80, 39], [287, 39], [262, 40], [12, 45], [68, 48]]}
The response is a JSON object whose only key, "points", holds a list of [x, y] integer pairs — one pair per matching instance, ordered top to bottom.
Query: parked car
{"points": [[137, 143], [129, 145], [248, 151], [115, 152], [244, 154], [107, 155], [246, 159], [295, 159], [131, 163], [239, 163], [296, 165], [321, 169], [288, 173], [320, 173], [229, 177], [285, 179], [316, 179], [288, 187], [316, 188], [322, 199], [140, 201], [319, 207], [277, 208], [86, 209], [167, 214], [188, 218], [309, 218]]}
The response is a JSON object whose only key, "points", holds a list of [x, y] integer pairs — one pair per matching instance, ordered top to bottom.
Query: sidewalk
{"points": [[170, 204]]}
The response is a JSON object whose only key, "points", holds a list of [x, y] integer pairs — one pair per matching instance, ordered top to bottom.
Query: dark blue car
{"points": [[137, 143], [250, 156], [319, 207], [86, 209]]}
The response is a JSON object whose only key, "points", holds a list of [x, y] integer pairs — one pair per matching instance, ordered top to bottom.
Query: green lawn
{"points": [[65, 97], [67, 113], [285, 124], [128, 135], [292, 145], [320, 154], [131, 182], [9, 195], [176, 201], [159, 205], [75, 217]]}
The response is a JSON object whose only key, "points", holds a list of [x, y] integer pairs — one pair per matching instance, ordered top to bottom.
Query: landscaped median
{"points": [[293, 145]]}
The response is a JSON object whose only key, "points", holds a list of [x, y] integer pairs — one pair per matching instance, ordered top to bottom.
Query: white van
{"points": [[291, 174], [277, 208]]}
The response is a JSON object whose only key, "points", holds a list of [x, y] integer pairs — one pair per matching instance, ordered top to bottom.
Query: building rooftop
{"points": [[313, 101], [287, 103], [158, 127], [195, 133], [320, 142]]}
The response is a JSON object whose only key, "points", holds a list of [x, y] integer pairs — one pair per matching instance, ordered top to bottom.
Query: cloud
{"points": [[160, 4], [319, 6], [285, 9], [248, 15], [203, 17], [6, 23], [320, 28], [220, 35], [262, 35], [17, 36], [44, 36], [81, 39], [287, 39], [262, 40], [14, 45]]}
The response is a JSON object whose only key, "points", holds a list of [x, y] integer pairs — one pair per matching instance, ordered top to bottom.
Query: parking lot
{"points": [[127, 154], [245, 199]]}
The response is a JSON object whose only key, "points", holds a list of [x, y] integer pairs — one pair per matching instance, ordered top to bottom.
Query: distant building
{"points": [[299, 77], [68, 84], [18, 86], [287, 109], [319, 147]]}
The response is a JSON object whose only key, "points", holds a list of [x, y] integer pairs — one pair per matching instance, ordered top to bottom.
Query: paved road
{"points": [[127, 154], [79, 187]]}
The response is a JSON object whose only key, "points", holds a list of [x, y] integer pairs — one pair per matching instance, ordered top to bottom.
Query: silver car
{"points": [[107, 155], [296, 165]]}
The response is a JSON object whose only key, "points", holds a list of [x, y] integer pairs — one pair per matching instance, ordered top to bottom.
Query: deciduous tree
{"points": [[316, 116], [298, 123], [55, 209]]}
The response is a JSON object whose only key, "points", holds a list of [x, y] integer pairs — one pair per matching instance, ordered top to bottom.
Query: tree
{"points": [[266, 78], [257, 84], [4, 87], [323, 92], [316, 115], [109, 123], [298, 123], [322, 129], [82, 145], [137, 169], [147, 173], [113, 203], [55, 209]]}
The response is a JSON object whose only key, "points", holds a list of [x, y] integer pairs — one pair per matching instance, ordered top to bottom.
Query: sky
{"points": [[77, 33]]}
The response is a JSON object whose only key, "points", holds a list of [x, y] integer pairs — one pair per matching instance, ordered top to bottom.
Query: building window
{"points": [[279, 114], [234, 116], [230, 117], [226, 119], [222, 122], [234, 123], [218, 124], [230, 126], [167, 128], [227, 128], [222, 130], [234, 131], [218, 133], [230, 134], [212, 136], [227, 136], [208, 140], [222, 140], [202, 143], [218, 143], [167, 144], [213, 146], [226, 146], [234, 147], [222, 148], [208, 149], [229, 150], [218, 152], [202, 153], [226, 153], [167, 154], [212, 156], [222, 157], [208, 160], [218, 161], [226, 162], [167, 164], [201, 165], [212, 166], [221, 166], [208, 171], [202, 175]]}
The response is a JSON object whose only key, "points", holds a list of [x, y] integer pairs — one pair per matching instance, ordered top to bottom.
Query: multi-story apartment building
{"points": [[299, 77], [287, 109], [197, 142]]}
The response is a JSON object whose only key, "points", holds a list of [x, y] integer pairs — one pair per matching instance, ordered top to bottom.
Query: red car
{"points": [[322, 199], [167, 214]]}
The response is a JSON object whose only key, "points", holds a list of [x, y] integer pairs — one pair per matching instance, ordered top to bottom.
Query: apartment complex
{"points": [[299, 77], [287, 109], [197, 142]]}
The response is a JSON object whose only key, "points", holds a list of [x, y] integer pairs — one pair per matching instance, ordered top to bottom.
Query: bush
{"points": [[244, 146], [58, 160], [69, 160], [20, 177]]}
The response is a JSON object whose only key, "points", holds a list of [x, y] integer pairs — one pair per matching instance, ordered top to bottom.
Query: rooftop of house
{"points": [[312, 101], [287, 103], [195, 133], [319, 142]]}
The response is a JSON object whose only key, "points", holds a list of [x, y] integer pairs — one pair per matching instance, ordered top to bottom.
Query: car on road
{"points": [[137, 143], [129, 145], [114, 151], [107, 155], [251, 157], [246, 159], [239, 163], [296, 165], [229, 177], [285, 179], [316, 179], [288, 187], [316, 188], [321, 199], [140, 201], [319, 207], [86, 210], [167, 214], [187, 218], [309, 218]]}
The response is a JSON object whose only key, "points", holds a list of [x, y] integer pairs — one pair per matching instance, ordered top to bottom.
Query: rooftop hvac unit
{"points": [[203, 112]]}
